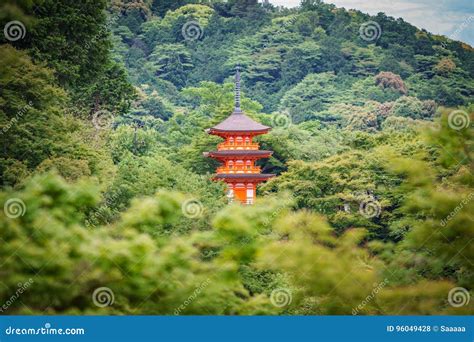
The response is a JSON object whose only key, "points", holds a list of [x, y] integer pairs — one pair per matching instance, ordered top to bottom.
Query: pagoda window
{"points": [[231, 141], [247, 141], [248, 164], [230, 165], [249, 194]]}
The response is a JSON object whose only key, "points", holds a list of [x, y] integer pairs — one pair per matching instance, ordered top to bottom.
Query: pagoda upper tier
{"points": [[238, 123]]}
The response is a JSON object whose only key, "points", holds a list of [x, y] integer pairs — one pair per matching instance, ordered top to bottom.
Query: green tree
{"points": [[170, 62], [35, 125]]}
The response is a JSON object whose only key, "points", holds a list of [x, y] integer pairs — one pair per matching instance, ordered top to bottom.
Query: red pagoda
{"points": [[238, 153]]}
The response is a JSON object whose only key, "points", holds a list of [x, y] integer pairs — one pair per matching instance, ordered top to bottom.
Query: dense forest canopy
{"points": [[110, 207]]}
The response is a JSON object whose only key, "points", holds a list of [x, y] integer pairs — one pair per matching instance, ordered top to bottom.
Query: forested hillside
{"points": [[109, 204]]}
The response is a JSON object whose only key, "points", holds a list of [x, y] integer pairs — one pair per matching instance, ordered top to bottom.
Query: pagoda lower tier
{"points": [[239, 172], [243, 186]]}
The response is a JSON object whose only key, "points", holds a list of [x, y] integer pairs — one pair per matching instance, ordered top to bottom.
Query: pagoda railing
{"points": [[227, 146], [253, 169]]}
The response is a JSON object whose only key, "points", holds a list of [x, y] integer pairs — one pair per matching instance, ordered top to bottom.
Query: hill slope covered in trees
{"points": [[103, 107]]}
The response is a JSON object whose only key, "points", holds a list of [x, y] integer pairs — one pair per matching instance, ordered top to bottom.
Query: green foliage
{"points": [[77, 48], [170, 62], [310, 95], [411, 107], [36, 129], [446, 205], [67, 262]]}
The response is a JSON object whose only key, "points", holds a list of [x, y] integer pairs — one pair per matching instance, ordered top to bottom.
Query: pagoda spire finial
{"points": [[237, 108]]}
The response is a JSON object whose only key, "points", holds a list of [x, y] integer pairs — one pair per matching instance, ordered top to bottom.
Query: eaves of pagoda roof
{"points": [[238, 122], [239, 153]]}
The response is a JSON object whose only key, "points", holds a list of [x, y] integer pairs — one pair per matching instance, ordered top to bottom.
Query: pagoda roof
{"points": [[239, 122]]}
